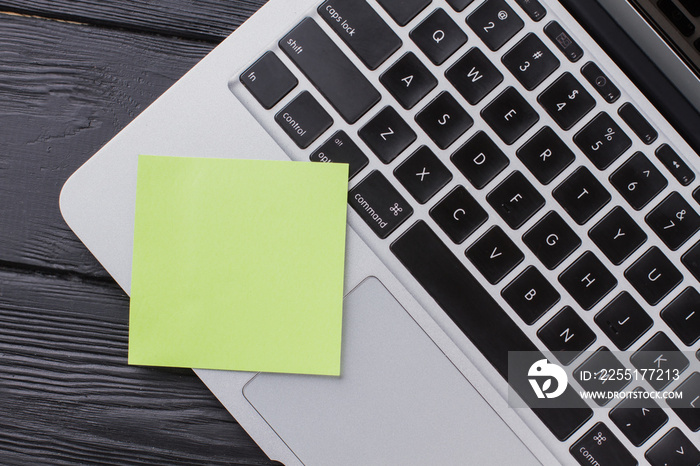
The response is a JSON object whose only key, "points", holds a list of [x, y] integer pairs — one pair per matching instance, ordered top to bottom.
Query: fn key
{"points": [[268, 80]]}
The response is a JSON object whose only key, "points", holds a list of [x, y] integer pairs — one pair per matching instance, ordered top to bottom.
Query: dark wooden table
{"points": [[72, 74]]}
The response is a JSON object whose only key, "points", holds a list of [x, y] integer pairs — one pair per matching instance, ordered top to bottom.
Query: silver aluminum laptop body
{"points": [[413, 389]]}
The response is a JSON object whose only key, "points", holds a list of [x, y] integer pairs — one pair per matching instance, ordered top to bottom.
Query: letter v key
{"points": [[495, 254]]}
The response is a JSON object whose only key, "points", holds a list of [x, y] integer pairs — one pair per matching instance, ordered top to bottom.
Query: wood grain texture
{"points": [[210, 20], [65, 90], [68, 396]]}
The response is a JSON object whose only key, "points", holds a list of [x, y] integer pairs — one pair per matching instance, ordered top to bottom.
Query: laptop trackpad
{"points": [[399, 400]]}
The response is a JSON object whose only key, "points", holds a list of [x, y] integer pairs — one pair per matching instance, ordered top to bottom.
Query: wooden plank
{"points": [[210, 20], [65, 90], [68, 395]]}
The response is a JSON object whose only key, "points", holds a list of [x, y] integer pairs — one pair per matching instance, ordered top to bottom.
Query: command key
{"points": [[379, 204], [599, 446]]}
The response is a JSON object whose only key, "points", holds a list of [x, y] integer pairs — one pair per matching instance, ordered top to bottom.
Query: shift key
{"points": [[362, 29], [333, 74], [379, 204]]}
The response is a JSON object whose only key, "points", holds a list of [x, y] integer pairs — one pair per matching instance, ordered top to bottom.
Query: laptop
{"points": [[523, 236]]}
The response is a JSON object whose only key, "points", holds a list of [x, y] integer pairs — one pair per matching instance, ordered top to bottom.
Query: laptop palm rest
{"points": [[398, 400]]}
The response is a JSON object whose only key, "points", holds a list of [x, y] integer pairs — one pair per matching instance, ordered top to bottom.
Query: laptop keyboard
{"points": [[502, 167]]}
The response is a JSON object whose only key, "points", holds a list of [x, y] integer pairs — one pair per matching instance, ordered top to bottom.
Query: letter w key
{"points": [[474, 76]]}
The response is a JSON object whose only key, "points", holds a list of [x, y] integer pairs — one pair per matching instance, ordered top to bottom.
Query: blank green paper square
{"points": [[238, 264]]}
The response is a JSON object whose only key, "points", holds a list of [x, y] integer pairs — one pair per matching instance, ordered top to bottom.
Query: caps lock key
{"points": [[362, 29]]}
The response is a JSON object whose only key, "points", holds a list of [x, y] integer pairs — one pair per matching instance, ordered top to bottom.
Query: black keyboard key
{"points": [[459, 5], [693, 7], [533, 8], [403, 11], [677, 17], [495, 23], [362, 29], [438, 36], [563, 41], [530, 61], [327, 67], [474, 76], [268, 80], [408, 80], [600, 82], [566, 101], [509, 115], [303, 119], [444, 120], [638, 123], [387, 135], [602, 141], [341, 149], [545, 155], [480, 160], [676, 165], [422, 174], [638, 181], [581, 195], [696, 195], [515, 200], [379, 204], [459, 214], [674, 221], [617, 235], [552, 240], [494, 255], [691, 260], [653, 275], [587, 280], [530, 295], [683, 316], [481, 319], [623, 320], [566, 335], [659, 361], [598, 374], [688, 407], [638, 419], [599, 446], [673, 449]]}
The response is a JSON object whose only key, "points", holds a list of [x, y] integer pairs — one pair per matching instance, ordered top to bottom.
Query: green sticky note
{"points": [[238, 264]]}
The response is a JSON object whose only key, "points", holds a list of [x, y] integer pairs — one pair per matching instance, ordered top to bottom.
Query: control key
{"points": [[303, 119]]}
